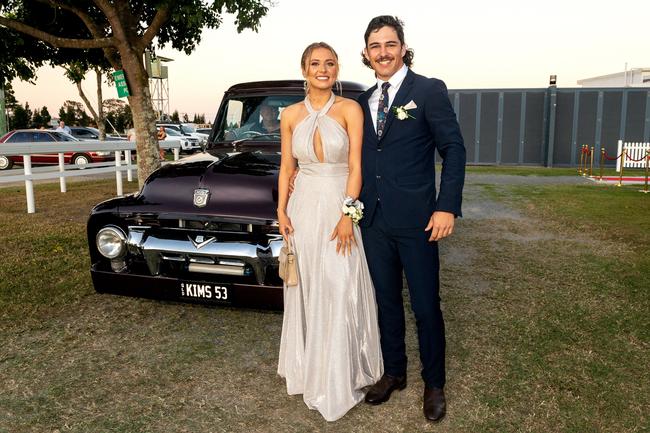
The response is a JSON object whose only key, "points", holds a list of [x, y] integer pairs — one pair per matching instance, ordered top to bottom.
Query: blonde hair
{"points": [[310, 49]]}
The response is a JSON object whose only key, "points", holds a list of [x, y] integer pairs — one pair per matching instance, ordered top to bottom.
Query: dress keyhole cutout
{"points": [[318, 146]]}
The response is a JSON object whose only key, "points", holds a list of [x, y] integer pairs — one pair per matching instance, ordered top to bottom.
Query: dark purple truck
{"points": [[204, 229]]}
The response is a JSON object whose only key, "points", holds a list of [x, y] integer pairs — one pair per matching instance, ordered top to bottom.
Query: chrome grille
{"points": [[188, 248]]}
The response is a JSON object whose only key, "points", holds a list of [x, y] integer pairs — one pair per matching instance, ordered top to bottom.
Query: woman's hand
{"points": [[284, 222], [343, 231]]}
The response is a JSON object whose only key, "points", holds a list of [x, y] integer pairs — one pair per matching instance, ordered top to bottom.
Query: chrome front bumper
{"points": [[204, 253]]}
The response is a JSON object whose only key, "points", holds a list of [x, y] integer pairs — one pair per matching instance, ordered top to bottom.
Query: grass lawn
{"points": [[517, 170], [545, 296]]}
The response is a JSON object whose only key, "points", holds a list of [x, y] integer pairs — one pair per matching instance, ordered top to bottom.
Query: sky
{"points": [[468, 44]]}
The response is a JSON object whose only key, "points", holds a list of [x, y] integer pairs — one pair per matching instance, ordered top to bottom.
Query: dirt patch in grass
{"points": [[543, 335]]}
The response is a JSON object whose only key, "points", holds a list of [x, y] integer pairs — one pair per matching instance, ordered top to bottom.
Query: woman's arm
{"points": [[353, 116], [354, 121], [287, 167]]}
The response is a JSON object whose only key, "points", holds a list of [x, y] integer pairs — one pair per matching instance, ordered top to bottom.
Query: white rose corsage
{"points": [[402, 112], [353, 208]]}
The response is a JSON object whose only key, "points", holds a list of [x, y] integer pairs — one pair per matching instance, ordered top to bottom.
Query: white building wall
{"points": [[638, 77]]}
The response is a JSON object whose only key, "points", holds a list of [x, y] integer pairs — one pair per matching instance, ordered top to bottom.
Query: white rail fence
{"points": [[123, 151], [635, 154]]}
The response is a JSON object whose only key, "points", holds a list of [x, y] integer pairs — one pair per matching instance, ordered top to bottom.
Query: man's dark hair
{"points": [[382, 21]]}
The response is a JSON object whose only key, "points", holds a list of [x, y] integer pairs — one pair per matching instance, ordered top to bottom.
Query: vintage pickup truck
{"points": [[204, 229]]}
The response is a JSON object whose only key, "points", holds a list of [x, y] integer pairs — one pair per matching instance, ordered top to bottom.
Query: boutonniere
{"points": [[402, 112]]}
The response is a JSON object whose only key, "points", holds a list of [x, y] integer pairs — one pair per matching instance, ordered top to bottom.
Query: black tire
{"points": [[5, 162]]}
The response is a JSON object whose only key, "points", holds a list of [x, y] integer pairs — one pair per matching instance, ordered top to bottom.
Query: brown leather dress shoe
{"points": [[380, 391], [434, 406]]}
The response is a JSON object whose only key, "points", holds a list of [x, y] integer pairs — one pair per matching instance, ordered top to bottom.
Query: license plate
{"points": [[214, 292]]}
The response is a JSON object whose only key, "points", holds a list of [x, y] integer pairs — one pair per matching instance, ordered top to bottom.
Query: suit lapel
{"points": [[399, 100], [367, 117]]}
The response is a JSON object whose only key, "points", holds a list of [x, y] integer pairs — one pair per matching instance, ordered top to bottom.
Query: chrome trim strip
{"points": [[215, 269]]}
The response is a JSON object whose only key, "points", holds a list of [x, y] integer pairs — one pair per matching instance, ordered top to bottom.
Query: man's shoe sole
{"points": [[387, 397], [435, 420]]}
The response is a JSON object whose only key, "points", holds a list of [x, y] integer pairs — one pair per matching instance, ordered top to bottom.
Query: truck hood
{"points": [[243, 185]]}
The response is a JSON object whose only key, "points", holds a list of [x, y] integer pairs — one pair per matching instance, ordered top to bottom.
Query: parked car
{"points": [[185, 129], [205, 131], [89, 133], [41, 135], [187, 142], [204, 229]]}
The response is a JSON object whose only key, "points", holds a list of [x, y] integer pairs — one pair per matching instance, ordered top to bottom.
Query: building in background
{"points": [[635, 77]]}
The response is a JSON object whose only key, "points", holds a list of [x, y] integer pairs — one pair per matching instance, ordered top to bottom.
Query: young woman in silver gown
{"points": [[329, 348]]}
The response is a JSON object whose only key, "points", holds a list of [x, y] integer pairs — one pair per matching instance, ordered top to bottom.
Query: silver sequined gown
{"points": [[329, 348]]}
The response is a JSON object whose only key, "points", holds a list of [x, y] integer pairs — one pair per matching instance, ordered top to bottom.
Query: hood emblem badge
{"points": [[201, 197], [200, 241]]}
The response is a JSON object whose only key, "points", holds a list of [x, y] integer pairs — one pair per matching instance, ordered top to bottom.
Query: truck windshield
{"points": [[254, 117], [187, 129]]}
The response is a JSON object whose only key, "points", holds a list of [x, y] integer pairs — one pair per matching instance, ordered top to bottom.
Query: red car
{"points": [[41, 135]]}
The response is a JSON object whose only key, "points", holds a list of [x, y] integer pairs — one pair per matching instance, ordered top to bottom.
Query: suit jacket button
{"points": [[378, 177]]}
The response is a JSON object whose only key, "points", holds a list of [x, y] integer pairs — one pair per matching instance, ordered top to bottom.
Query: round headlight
{"points": [[111, 242]]}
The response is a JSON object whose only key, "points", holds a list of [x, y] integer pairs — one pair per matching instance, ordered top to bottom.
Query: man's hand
{"points": [[292, 180], [441, 225]]}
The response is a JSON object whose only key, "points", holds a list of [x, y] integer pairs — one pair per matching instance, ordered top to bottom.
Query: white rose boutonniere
{"points": [[402, 112]]}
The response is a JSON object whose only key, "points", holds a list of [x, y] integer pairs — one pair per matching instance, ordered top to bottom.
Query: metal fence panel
{"points": [[612, 110], [635, 116], [467, 120], [548, 126], [511, 127], [563, 128], [488, 133], [534, 133], [586, 133]]}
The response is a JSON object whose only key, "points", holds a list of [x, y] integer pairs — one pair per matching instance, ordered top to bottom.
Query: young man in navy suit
{"points": [[407, 117]]}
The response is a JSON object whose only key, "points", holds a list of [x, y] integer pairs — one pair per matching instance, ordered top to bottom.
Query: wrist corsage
{"points": [[353, 208]]}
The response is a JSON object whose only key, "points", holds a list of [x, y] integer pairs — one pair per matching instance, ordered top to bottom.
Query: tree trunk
{"points": [[86, 101], [3, 110], [144, 117], [101, 124]]}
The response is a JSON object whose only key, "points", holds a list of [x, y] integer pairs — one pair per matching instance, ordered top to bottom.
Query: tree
{"points": [[123, 30], [19, 58], [76, 71], [73, 113], [118, 115], [175, 116], [21, 117], [41, 117], [186, 118], [199, 119]]}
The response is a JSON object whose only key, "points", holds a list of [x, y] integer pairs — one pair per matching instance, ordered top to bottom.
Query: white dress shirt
{"points": [[395, 83]]}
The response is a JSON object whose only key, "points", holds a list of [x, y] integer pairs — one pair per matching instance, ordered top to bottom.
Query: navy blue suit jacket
{"points": [[399, 168]]}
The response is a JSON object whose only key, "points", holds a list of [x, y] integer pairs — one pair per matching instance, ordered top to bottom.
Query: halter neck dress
{"points": [[329, 349]]}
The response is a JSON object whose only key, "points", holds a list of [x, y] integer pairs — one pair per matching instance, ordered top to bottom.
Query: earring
{"points": [[305, 86], [339, 87]]}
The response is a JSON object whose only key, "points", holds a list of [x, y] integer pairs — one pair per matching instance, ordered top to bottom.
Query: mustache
{"points": [[381, 59]]}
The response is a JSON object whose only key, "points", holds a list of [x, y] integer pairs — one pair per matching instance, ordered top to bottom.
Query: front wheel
{"points": [[81, 160], [5, 163]]}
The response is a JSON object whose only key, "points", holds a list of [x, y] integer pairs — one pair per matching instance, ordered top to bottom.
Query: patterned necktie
{"points": [[382, 109]]}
